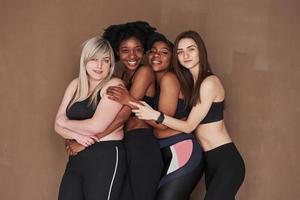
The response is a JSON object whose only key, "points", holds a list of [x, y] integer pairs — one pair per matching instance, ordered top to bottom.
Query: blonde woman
{"points": [[98, 171]]}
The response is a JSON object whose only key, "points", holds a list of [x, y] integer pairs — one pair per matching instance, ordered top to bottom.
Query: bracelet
{"points": [[160, 118]]}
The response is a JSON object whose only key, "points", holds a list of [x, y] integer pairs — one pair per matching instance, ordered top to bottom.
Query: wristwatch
{"points": [[160, 118]]}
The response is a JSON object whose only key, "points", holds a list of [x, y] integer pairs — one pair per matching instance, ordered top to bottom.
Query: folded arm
{"points": [[105, 113], [197, 114], [65, 133]]}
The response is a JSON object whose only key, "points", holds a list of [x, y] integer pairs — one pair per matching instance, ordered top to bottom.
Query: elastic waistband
{"points": [[139, 132], [175, 138], [108, 143], [100, 147], [223, 147], [224, 155]]}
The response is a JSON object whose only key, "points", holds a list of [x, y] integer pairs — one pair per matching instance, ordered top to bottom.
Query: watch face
{"points": [[160, 118]]}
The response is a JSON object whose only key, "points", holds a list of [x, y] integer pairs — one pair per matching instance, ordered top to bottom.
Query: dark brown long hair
{"points": [[189, 89]]}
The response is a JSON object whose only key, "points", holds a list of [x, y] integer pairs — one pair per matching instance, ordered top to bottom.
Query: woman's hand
{"points": [[119, 94], [144, 111], [84, 140], [73, 147]]}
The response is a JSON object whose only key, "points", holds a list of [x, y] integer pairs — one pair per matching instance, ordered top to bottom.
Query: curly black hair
{"points": [[115, 34], [159, 37]]}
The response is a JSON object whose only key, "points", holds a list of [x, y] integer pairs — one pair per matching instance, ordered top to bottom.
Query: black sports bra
{"points": [[149, 100], [81, 110], [215, 113]]}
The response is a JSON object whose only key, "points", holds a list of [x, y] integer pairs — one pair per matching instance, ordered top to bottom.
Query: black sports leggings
{"points": [[144, 164], [183, 169], [225, 172], [95, 173]]}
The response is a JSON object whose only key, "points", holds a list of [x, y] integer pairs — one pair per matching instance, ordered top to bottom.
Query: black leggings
{"points": [[144, 164], [183, 168], [225, 172], [95, 173]]}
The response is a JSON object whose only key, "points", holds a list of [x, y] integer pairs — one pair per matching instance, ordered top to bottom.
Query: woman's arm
{"points": [[143, 78], [169, 94], [121, 95], [207, 95], [168, 98], [105, 113], [119, 121], [65, 133], [74, 147]]}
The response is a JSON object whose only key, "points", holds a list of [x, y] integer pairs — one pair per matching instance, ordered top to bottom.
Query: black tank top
{"points": [[81, 110], [181, 110], [215, 113]]}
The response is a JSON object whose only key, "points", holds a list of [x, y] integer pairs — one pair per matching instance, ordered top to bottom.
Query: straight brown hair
{"points": [[190, 89]]}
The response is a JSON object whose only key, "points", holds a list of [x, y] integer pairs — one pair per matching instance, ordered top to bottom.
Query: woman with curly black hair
{"points": [[143, 154], [145, 164]]}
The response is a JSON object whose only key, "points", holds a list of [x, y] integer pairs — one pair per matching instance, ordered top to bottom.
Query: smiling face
{"points": [[131, 53], [188, 53], [160, 56], [98, 68]]}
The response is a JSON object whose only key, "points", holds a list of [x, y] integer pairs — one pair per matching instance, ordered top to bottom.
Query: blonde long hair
{"points": [[92, 49]]}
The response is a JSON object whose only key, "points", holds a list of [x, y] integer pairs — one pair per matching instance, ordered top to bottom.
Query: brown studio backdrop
{"points": [[253, 46]]}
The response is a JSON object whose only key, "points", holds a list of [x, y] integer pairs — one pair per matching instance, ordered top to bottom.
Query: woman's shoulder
{"points": [[144, 69], [144, 72], [169, 77], [169, 80], [211, 81], [114, 82], [72, 85], [212, 85]]}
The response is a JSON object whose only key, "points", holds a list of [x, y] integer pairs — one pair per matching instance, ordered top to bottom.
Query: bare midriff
{"points": [[135, 123], [159, 133], [117, 134], [212, 135]]}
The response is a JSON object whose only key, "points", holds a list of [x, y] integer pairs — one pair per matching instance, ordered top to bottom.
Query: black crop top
{"points": [[149, 100], [81, 110], [181, 110], [215, 113]]}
